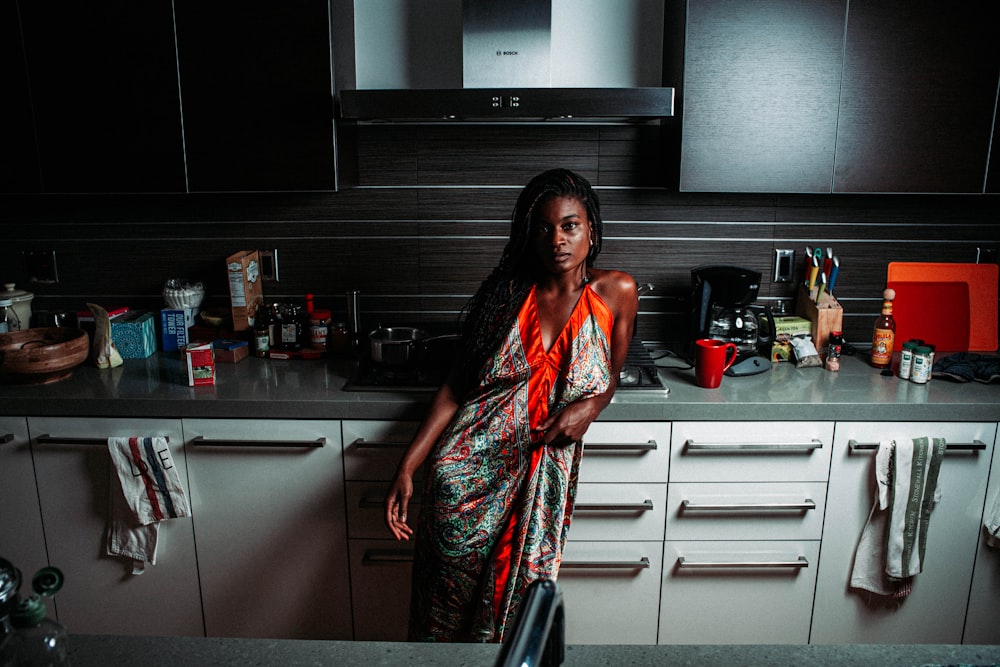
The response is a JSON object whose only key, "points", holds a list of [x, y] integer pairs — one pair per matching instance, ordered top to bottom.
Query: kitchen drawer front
{"points": [[373, 449], [750, 451], [626, 452], [365, 510], [748, 511], [619, 512], [380, 588], [611, 592], [751, 592]]}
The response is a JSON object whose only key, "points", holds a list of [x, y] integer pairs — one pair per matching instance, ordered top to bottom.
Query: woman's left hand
{"points": [[569, 424]]}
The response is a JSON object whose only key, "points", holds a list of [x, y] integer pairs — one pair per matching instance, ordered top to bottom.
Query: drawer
{"points": [[372, 449], [750, 451], [626, 452], [365, 507], [748, 511], [619, 512], [380, 588], [611, 591], [737, 592]]}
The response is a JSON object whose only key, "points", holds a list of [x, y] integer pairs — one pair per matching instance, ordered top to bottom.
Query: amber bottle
{"points": [[885, 333]]}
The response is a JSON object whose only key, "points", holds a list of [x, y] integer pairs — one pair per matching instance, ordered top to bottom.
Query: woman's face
{"points": [[562, 234]]}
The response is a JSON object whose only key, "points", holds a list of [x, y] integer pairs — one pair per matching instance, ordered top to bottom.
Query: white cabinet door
{"points": [[268, 505], [21, 539], [380, 582], [100, 595], [934, 612], [982, 623]]}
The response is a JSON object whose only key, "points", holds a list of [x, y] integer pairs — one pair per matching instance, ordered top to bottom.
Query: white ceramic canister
{"points": [[21, 301]]}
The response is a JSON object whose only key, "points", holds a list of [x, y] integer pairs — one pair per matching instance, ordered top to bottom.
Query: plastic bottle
{"points": [[885, 333], [833, 351], [906, 359], [922, 361], [38, 641]]}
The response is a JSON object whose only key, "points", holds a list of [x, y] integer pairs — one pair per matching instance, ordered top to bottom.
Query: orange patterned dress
{"points": [[497, 506]]}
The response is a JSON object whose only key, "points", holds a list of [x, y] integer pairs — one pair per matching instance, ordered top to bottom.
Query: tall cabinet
{"points": [[981, 626]]}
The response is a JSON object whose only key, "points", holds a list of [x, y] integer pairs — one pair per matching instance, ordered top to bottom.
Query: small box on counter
{"points": [[245, 290], [824, 317], [85, 318], [174, 325], [787, 327], [134, 334], [230, 350], [200, 362]]}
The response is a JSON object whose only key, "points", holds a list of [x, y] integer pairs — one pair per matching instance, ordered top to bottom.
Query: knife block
{"points": [[824, 317]]}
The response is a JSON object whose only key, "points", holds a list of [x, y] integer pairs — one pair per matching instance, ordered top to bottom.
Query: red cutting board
{"points": [[951, 305]]}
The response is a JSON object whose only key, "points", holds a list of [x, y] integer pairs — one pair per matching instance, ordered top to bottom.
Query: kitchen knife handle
{"points": [[691, 445], [975, 445], [804, 506], [683, 562]]}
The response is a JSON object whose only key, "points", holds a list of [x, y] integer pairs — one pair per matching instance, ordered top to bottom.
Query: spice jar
{"points": [[291, 328], [319, 328], [833, 351], [906, 359], [922, 360]]}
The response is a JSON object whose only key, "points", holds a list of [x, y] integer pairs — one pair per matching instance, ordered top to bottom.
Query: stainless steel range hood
{"points": [[521, 60]]}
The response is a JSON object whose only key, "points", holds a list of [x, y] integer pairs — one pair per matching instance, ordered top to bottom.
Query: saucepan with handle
{"points": [[401, 346]]}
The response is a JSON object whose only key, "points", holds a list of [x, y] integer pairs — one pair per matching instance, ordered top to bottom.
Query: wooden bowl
{"points": [[42, 355]]}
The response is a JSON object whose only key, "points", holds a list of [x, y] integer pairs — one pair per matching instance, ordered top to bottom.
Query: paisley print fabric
{"points": [[497, 506]]}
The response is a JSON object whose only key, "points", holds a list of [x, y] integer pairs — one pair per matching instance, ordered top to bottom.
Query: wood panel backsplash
{"points": [[429, 219]]}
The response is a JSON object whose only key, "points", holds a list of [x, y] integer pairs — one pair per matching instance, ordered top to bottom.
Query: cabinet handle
{"points": [[5, 438], [47, 439], [201, 441], [361, 443], [691, 445], [647, 446], [954, 446], [368, 503], [805, 505], [644, 506], [386, 557], [683, 562], [641, 564]]}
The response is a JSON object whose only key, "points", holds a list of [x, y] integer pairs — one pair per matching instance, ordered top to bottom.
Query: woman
{"points": [[543, 342]]}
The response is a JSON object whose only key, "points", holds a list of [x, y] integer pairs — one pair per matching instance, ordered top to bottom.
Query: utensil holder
{"points": [[824, 317]]}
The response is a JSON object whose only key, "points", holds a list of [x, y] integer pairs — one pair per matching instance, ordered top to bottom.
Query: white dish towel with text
{"points": [[145, 490]]}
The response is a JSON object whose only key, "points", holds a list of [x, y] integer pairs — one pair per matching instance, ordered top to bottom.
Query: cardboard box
{"points": [[245, 287], [824, 317], [791, 326], [174, 328], [134, 334], [230, 350], [200, 363]]}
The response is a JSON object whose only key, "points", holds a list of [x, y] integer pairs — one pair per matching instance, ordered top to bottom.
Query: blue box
{"points": [[174, 329], [134, 334]]}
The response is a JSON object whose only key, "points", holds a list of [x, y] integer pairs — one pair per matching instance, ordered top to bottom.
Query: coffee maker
{"points": [[722, 308]]}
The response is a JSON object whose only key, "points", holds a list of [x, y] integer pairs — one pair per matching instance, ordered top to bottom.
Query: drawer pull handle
{"points": [[5, 438], [47, 439], [201, 441], [361, 443], [691, 445], [648, 446], [954, 446], [368, 502], [805, 505], [644, 506], [387, 557], [683, 562], [641, 564]]}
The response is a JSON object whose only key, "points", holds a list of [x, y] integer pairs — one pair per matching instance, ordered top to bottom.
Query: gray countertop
{"points": [[313, 389], [99, 651]]}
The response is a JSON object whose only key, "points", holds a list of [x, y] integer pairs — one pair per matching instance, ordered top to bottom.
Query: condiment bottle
{"points": [[319, 328], [885, 333], [833, 351], [906, 359], [922, 361]]}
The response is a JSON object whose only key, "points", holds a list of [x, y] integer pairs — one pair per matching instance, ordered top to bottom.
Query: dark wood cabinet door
{"points": [[761, 88], [103, 91], [257, 94], [919, 96], [19, 169]]}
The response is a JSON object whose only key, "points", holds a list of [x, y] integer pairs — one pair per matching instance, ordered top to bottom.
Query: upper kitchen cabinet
{"points": [[761, 87], [257, 93], [919, 96], [95, 102], [19, 170]]}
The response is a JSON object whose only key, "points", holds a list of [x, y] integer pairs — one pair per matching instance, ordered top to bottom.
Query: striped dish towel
{"points": [[145, 489]]}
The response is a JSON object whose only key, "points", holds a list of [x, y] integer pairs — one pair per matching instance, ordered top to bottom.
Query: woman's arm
{"points": [[397, 500]]}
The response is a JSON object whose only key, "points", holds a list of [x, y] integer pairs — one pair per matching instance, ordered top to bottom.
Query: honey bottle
{"points": [[885, 333]]}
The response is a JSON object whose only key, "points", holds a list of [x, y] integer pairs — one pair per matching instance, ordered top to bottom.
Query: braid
{"points": [[491, 312]]}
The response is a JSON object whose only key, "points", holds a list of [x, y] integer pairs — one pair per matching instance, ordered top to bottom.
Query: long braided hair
{"points": [[491, 312]]}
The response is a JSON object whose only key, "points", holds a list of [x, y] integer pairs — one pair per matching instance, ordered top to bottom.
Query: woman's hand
{"points": [[569, 424], [396, 503]]}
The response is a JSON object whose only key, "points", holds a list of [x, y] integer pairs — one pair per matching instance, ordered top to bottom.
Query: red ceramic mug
{"points": [[711, 359]]}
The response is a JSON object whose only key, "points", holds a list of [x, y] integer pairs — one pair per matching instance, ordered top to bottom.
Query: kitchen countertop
{"points": [[313, 389], [99, 651]]}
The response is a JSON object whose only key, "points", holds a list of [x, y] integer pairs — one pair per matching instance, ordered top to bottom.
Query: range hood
{"points": [[524, 60]]}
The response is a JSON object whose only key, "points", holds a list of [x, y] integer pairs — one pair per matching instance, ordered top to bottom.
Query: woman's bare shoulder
{"points": [[618, 288]]}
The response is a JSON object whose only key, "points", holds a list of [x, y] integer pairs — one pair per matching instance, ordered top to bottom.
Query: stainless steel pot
{"points": [[401, 346]]}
